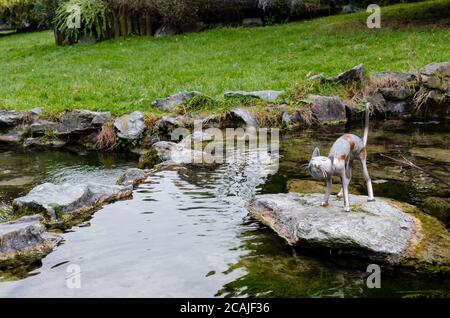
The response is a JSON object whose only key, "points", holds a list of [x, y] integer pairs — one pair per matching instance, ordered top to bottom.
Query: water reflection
{"points": [[186, 232]]}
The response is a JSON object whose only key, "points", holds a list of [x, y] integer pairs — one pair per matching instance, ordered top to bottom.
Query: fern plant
{"points": [[93, 19]]}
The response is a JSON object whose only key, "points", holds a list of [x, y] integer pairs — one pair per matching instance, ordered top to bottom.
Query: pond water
{"points": [[186, 232]]}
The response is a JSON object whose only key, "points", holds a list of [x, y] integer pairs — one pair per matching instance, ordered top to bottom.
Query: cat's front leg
{"points": [[327, 192]]}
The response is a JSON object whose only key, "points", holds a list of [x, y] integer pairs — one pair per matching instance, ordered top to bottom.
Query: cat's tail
{"points": [[366, 124]]}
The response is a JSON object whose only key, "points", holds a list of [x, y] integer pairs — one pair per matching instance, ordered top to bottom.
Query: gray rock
{"points": [[350, 9], [252, 22], [193, 27], [166, 30], [87, 39], [353, 75], [394, 75], [436, 76], [316, 77], [399, 93], [269, 95], [377, 100], [173, 101], [396, 107], [327, 108], [35, 113], [239, 117], [296, 117], [10, 118], [286, 119], [78, 121], [81, 121], [212, 121], [166, 124], [41, 126], [130, 126], [197, 136], [13, 137], [151, 137], [42, 142], [176, 154], [132, 176], [54, 199], [379, 229], [25, 235]]}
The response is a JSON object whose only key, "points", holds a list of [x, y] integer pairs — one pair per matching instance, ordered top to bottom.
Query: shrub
{"points": [[44, 11], [179, 12], [16, 13], [93, 20]]}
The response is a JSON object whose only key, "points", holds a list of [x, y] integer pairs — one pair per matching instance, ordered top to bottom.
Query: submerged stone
{"points": [[132, 176], [56, 200], [380, 230], [25, 235]]}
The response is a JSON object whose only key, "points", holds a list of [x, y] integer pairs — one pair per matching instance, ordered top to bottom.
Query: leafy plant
{"points": [[93, 19]]}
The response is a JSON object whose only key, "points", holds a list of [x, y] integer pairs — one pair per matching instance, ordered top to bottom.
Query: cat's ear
{"points": [[316, 152]]}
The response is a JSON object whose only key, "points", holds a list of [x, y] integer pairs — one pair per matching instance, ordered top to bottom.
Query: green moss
{"points": [[50, 135], [149, 160], [438, 207], [6, 214], [432, 253], [18, 266]]}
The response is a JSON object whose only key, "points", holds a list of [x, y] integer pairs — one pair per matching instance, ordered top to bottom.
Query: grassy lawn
{"points": [[123, 75]]}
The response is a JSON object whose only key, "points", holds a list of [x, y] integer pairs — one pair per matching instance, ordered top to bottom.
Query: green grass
{"points": [[127, 74]]}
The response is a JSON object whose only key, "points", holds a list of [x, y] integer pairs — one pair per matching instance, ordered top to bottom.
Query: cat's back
{"points": [[347, 143]]}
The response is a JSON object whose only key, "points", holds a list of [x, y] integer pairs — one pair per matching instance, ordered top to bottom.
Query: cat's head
{"points": [[319, 166]]}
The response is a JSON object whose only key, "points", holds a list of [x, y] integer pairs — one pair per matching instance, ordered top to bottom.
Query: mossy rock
{"points": [[149, 159], [438, 207]]}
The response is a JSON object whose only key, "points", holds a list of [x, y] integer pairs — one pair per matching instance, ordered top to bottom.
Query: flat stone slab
{"points": [[68, 198], [379, 229], [26, 234]]}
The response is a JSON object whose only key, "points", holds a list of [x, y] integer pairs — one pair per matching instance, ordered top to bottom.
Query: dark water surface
{"points": [[186, 232]]}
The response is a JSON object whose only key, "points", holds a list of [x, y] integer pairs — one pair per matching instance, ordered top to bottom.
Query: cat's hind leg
{"points": [[348, 170], [368, 180], [345, 182]]}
